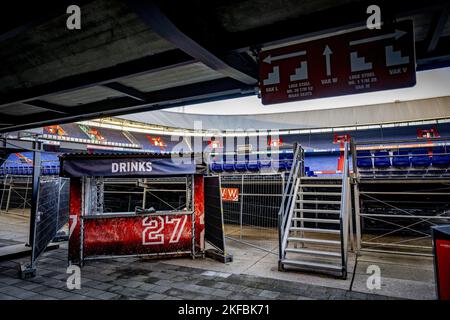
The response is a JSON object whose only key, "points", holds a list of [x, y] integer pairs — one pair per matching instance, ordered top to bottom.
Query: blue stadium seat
{"points": [[286, 156], [441, 157], [420, 158], [382, 159], [401, 159], [364, 162], [265, 164], [284, 165], [288, 165], [228, 166], [253, 166], [216, 167], [54, 170], [310, 174]]}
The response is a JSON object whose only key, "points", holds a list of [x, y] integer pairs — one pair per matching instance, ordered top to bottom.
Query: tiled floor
{"points": [[14, 227], [252, 275], [145, 279]]}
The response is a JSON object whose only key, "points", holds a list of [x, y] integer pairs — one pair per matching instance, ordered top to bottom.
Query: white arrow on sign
{"points": [[397, 34], [327, 53], [269, 58]]}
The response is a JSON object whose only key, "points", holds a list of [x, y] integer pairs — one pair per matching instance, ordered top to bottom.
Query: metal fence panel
{"points": [[15, 194], [124, 195], [250, 204], [63, 207], [52, 212], [214, 213], [397, 217]]}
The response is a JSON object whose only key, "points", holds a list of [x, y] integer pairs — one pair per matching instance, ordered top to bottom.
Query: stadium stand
{"points": [[114, 136], [321, 154], [22, 164]]}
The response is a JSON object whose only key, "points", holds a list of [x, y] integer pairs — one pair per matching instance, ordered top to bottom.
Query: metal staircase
{"points": [[316, 223]]}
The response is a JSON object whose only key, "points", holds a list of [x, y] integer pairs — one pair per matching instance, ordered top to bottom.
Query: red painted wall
{"points": [[199, 207], [74, 220], [137, 235]]}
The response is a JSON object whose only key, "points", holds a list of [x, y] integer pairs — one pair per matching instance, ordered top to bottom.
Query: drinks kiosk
{"points": [[95, 233]]}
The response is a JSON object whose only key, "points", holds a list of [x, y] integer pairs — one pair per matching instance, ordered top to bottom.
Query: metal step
{"points": [[320, 178], [321, 185], [308, 193], [318, 201], [317, 211], [317, 220], [317, 230], [316, 241], [314, 252], [311, 264]]}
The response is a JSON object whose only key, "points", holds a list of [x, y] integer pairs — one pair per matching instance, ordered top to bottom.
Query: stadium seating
{"points": [[441, 157], [420, 158], [364, 159], [382, 159], [401, 159], [21, 164], [265, 164], [285, 165], [228, 166], [240, 166], [253, 166], [216, 167]]}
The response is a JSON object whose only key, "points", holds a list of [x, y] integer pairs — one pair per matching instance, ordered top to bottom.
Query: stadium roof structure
{"points": [[132, 56], [405, 111]]}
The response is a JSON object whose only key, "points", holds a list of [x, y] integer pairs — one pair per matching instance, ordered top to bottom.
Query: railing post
{"points": [[353, 153], [288, 199], [241, 207], [344, 212], [350, 216], [357, 219]]}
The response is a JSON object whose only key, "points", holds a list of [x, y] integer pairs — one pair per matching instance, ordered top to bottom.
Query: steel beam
{"points": [[152, 15], [437, 27], [212, 90], [128, 91], [49, 106], [7, 120]]}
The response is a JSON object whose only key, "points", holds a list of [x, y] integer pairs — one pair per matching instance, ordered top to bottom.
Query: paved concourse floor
{"points": [[252, 275]]}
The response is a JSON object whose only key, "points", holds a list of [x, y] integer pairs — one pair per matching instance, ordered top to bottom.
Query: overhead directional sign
{"points": [[350, 63]]}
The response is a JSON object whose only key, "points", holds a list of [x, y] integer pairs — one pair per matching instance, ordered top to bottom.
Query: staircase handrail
{"points": [[288, 199], [345, 210]]}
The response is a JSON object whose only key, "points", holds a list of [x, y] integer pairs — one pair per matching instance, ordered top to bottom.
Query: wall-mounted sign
{"points": [[350, 63], [55, 130], [157, 142], [272, 142], [215, 144], [230, 194]]}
